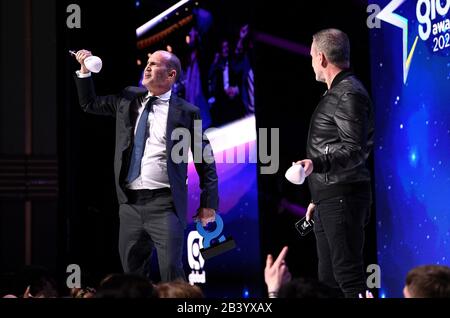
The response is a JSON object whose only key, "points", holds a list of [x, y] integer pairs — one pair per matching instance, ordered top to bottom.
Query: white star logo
{"points": [[388, 15]]}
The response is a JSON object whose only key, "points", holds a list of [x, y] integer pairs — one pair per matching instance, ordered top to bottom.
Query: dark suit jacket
{"points": [[181, 114]]}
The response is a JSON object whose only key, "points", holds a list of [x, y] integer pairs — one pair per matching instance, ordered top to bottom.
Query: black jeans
{"points": [[149, 221], [339, 228]]}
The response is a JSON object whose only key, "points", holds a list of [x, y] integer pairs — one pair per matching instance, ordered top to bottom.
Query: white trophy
{"points": [[93, 63], [296, 174]]}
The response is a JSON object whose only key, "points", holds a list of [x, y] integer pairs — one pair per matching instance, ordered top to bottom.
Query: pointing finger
{"points": [[282, 256]]}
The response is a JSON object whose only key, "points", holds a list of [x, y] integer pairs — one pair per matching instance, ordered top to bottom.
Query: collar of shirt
{"points": [[341, 76], [163, 97]]}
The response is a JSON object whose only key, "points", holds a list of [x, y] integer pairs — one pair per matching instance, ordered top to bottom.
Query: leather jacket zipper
{"points": [[326, 154]]}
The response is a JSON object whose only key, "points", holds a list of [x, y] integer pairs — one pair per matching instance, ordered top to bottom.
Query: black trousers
{"points": [[149, 222], [339, 224]]}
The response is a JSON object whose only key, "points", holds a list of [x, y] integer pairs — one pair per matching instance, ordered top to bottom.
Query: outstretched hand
{"points": [[276, 272]]}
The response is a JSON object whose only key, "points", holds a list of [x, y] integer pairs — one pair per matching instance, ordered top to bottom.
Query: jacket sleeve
{"points": [[91, 103], [352, 120], [205, 165]]}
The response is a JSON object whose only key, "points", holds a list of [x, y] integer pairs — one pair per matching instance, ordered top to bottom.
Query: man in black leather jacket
{"points": [[339, 142]]}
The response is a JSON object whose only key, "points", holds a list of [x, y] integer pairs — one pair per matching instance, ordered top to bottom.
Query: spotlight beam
{"points": [[151, 23]]}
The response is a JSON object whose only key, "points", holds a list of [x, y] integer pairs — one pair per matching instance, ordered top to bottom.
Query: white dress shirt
{"points": [[154, 161]]}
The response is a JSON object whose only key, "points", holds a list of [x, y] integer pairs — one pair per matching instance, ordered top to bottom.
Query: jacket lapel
{"points": [[130, 115], [172, 119]]}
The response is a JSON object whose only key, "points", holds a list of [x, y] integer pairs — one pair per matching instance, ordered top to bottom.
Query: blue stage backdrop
{"points": [[410, 48]]}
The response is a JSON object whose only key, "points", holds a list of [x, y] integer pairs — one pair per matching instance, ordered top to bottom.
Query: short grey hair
{"points": [[335, 45]]}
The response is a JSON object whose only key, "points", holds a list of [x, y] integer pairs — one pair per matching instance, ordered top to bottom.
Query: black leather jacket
{"points": [[340, 139]]}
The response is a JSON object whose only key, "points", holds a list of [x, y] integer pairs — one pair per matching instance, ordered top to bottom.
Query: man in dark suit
{"points": [[152, 186]]}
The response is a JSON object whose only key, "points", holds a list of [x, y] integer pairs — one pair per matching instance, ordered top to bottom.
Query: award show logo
{"points": [[427, 12]]}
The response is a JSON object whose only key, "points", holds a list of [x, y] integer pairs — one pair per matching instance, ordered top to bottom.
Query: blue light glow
{"points": [[413, 158], [412, 174]]}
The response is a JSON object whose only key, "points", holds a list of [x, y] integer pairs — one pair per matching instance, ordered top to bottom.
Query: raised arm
{"points": [[89, 101]]}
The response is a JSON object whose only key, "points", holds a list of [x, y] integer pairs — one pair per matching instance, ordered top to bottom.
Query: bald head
{"points": [[172, 62], [162, 71]]}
